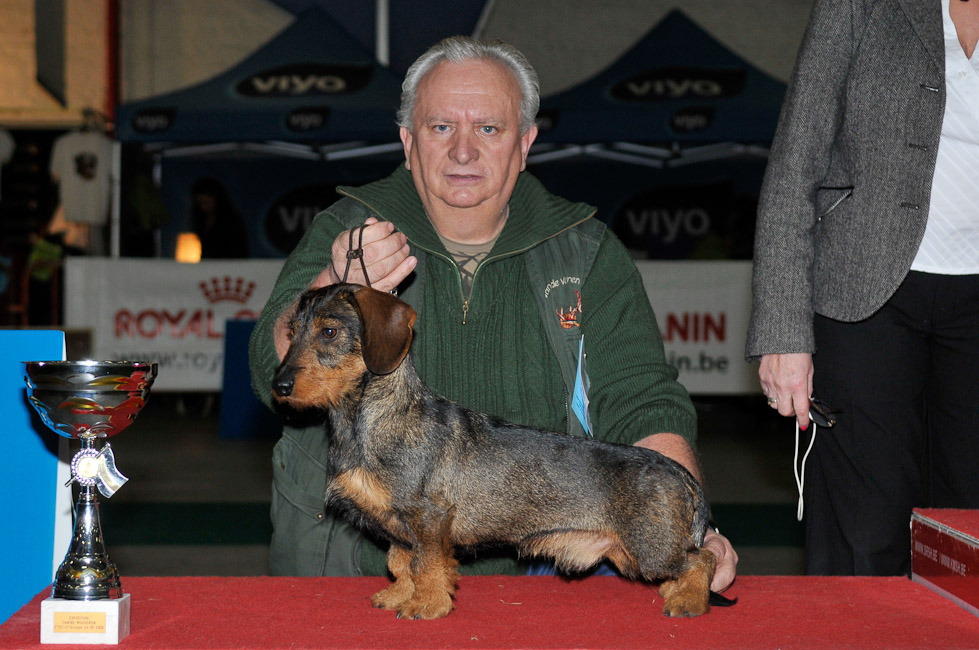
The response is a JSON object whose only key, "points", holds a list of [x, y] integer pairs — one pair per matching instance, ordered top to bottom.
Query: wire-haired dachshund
{"points": [[429, 475]]}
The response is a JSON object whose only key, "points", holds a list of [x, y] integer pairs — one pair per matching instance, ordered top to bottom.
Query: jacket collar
{"points": [[926, 19], [535, 213]]}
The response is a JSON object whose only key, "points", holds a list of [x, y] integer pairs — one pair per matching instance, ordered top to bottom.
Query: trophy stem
{"points": [[87, 573]]}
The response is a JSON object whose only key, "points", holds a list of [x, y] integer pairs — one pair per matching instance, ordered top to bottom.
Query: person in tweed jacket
{"points": [[866, 272]]}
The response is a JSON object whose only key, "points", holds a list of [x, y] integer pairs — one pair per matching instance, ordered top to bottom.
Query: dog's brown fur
{"points": [[429, 475]]}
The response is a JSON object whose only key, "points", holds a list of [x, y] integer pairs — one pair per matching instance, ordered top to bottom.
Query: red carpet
{"points": [[539, 612]]}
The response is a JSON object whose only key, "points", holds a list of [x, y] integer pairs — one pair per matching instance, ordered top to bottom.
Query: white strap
{"points": [[800, 471]]}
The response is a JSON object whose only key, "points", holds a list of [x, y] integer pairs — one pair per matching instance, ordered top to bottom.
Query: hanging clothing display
{"points": [[7, 146], [81, 161]]}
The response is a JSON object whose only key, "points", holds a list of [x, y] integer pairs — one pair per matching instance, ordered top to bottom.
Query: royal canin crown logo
{"points": [[227, 289], [188, 322]]}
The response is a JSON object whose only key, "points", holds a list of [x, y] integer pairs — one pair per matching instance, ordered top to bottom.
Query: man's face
{"points": [[465, 149]]}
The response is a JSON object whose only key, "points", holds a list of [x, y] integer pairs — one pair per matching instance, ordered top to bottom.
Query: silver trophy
{"points": [[90, 401]]}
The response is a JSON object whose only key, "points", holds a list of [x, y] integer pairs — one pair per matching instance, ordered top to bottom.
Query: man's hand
{"points": [[385, 253], [786, 379], [727, 560]]}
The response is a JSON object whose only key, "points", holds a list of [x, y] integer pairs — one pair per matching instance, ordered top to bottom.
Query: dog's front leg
{"points": [[399, 564], [433, 568]]}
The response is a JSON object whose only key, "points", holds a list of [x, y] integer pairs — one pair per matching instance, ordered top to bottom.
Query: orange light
{"points": [[188, 248]]}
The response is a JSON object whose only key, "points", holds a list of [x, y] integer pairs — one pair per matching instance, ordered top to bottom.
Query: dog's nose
{"points": [[283, 383]]}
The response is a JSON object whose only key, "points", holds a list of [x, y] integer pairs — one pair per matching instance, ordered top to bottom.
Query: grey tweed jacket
{"points": [[846, 193]]}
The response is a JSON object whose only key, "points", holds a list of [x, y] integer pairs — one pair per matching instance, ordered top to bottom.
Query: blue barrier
{"points": [[243, 416], [29, 480]]}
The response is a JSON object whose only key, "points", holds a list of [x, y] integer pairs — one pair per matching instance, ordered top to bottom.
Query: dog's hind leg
{"points": [[399, 564], [434, 570], [688, 593]]}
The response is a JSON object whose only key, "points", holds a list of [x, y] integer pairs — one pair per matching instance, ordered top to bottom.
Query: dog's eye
{"points": [[329, 332]]}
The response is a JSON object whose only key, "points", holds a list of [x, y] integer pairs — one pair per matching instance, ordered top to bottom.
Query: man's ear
{"points": [[526, 140], [406, 141]]}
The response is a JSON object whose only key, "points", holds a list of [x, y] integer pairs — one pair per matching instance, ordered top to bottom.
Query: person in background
{"points": [[216, 222], [454, 230], [866, 272]]}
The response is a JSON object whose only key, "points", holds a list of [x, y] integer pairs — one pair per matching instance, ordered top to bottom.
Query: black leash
{"points": [[356, 253]]}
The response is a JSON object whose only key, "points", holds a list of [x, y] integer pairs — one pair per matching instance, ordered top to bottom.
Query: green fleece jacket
{"points": [[489, 350]]}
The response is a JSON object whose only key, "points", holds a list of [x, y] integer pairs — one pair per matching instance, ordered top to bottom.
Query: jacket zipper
{"points": [[465, 299]]}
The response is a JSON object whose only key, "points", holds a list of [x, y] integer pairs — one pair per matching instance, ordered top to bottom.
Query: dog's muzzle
{"points": [[284, 381]]}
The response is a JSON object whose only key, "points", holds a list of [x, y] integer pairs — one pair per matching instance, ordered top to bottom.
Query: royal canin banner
{"points": [[702, 308], [165, 312], [174, 314]]}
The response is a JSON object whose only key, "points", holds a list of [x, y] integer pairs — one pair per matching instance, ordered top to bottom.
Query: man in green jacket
{"points": [[478, 247]]}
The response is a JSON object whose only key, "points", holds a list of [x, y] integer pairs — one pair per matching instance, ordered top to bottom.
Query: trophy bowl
{"points": [[76, 399], [89, 401]]}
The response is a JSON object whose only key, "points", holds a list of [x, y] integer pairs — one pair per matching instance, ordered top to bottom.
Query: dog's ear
{"points": [[386, 333]]}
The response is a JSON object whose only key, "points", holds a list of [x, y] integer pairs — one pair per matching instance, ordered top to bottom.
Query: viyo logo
{"points": [[306, 80], [674, 83], [153, 120]]}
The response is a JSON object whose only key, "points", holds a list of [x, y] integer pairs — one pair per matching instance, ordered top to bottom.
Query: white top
{"points": [[82, 163], [951, 242]]}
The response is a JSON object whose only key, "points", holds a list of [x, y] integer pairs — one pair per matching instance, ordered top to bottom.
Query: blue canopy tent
{"points": [[311, 84], [312, 94], [677, 96]]}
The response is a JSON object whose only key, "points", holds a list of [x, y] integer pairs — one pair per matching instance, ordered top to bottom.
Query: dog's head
{"points": [[337, 334]]}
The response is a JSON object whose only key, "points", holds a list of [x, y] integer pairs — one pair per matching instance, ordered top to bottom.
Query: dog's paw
{"points": [[393, 597], [683, 600], [427, 608], [684, 608]]}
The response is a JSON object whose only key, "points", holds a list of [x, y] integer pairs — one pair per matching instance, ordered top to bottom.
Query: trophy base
{"points": [[85, 621]]}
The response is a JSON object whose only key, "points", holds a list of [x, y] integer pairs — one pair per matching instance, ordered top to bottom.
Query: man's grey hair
{"points": [[461, 49]]}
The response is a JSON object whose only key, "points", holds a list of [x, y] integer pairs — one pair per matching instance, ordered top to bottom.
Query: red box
{"points": [[945, 554]]}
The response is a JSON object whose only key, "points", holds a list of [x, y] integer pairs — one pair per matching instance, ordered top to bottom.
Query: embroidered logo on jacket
{"points": [[569, 318]]}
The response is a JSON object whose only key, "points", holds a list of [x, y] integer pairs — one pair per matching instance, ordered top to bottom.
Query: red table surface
{"points": [[964, 521], [525, 612]]}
